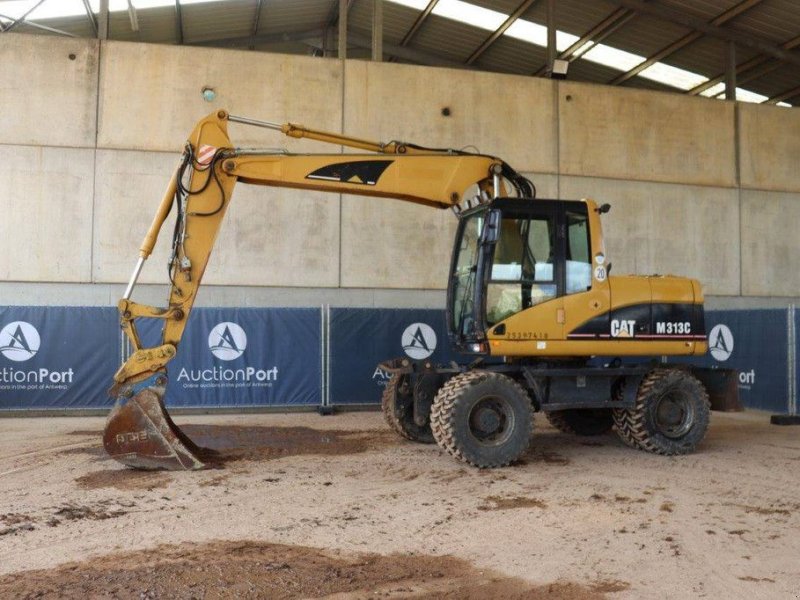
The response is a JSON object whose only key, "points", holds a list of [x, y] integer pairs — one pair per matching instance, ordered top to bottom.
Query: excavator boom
{"points": [[139, 431]]}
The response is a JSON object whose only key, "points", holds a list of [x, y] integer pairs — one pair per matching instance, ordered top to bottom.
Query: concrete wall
{"points": [[90, 133]]}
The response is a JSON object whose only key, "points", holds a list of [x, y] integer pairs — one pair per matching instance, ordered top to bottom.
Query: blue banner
{"points": [[360, 338], [755, 343], [57, 357], [65, 357], [235, 357]]}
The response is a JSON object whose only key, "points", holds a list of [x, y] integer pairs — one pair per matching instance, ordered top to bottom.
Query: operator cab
{"points": [[512, 254]]}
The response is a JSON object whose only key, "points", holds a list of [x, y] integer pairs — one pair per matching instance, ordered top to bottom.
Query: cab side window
{"points": [[579, 262], [523, 272]]}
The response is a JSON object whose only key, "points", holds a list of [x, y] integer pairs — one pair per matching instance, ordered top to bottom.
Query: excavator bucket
{"points": [[140, 434]]}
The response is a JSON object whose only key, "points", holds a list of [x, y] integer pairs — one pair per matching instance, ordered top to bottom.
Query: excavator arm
{"points": [[139, 431]]}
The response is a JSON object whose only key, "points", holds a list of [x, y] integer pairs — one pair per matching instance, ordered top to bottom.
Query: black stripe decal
{"points": [[659, 321]]}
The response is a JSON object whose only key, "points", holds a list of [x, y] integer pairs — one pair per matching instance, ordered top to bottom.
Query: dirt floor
{"points": [[338, 507]]}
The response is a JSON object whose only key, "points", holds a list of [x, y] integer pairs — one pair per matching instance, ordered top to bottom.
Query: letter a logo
{"points": [[19, 341], [227, 341], [419, 341], [720, 342]]}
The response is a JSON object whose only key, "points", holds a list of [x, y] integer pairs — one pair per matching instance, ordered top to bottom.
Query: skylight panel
{"points": [[417, 4], [74, 8], [48, 10], [471, 14], [531, 32], [613, 57], [679, 78], [714, 90], [748, 96]]}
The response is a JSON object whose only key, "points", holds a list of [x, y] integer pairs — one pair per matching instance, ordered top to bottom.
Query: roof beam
{"points": [[90, 16], [134, 18], [680, 18], [16, 22], [178, 22], [256, 23], [418, 23], [37, 26], [500, 30], [596, 34], [275, 38], [362, 41], [672, 48], [417, 56], [758, 61], [787, 95]]}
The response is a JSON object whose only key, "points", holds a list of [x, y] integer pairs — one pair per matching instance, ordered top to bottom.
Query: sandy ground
{"points": [[339, 507]]}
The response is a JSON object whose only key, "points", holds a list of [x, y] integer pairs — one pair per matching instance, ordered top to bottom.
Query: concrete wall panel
{"points": [[150, 95], [47, 98], [506, 116], [636, 134], [770, 147], [128, 188], [46, 206], [668, 229], [268, 237], [278, 237], [392, 244], [770, 244]]}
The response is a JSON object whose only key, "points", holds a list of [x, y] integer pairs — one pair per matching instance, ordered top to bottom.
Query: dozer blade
{"points": [[140, 434]]}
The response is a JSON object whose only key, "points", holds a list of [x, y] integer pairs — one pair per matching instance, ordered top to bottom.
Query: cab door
{"points": [[587, 295]]}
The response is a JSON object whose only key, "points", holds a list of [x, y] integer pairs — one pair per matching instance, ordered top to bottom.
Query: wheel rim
{"points": [[674, 415], [491, 421]]}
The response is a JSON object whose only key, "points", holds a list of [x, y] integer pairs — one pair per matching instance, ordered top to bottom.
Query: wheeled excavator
{"points": [[529, 300]]}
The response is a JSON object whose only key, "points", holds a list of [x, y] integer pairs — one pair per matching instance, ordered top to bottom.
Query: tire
{"points": [[397, 404], [671, 414], [482, 418], [582, 421], [622, 425], [624, 428]]}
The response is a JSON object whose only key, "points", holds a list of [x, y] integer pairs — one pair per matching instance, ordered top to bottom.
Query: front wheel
{"points": [[671, 414], [482, 418]]}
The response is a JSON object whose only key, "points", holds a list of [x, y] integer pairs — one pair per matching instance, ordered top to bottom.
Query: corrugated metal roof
{"points": [[443, 40]]}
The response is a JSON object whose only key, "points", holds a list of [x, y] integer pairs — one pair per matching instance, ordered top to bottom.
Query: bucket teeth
{"points": [[140, 434]]}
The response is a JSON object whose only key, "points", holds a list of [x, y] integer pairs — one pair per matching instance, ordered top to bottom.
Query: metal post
{"points": [[102, 21], [342, 29], [377, 30], [551, 34], [730, 71]]}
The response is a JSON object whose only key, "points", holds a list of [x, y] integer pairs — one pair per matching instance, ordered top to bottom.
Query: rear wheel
{"points": [[397, 403], [671, 414], [482, 418], [582, 421]]}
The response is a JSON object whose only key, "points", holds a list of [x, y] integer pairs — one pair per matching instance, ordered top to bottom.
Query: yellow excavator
{"points": [[529, 296]]}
